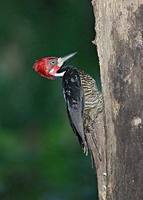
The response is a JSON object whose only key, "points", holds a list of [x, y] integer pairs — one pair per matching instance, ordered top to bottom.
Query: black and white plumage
{"points": [[81, 95], [83, 100]]}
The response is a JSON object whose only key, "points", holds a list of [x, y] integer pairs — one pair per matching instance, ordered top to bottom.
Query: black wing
{"points": [[73, 94]]}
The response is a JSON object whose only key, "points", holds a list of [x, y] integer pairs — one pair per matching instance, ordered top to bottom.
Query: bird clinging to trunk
{"points": [[80, 93]]}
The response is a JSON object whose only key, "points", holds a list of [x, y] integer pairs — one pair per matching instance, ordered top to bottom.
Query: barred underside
{"points": [[92, 97], [93, 105]]}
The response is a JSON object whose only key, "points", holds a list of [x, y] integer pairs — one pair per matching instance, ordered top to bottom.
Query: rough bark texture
{"points": [[119, 40], [95, 134]]}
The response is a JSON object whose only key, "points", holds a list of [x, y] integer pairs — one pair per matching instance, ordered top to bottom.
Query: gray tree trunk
{"points": [[119, 40]]}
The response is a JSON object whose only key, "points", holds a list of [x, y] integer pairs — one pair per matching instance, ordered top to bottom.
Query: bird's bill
{"points": [[65, 58]]}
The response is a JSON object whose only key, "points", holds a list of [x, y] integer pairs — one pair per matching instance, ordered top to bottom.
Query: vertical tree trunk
{"points": [[119, 40]]}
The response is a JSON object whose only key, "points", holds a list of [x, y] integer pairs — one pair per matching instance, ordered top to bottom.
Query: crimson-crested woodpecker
{"points": [[80, 93]]}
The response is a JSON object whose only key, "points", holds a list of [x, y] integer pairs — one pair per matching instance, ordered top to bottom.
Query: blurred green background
{"points": [[40, 158]]}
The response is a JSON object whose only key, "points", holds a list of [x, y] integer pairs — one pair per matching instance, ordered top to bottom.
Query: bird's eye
{"points": [[53, 62]]}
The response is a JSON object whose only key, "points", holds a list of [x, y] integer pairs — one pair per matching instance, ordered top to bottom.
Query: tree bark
{"points": [[119, 40], [95, 134]]}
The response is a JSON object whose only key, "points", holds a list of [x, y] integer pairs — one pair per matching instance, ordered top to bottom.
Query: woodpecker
{"points": [[80, 93]]}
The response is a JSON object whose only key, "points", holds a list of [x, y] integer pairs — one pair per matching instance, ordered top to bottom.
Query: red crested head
{"points": [[48, 67]]}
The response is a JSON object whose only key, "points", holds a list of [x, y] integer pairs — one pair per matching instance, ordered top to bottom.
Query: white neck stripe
{"points": [[59, 74]]}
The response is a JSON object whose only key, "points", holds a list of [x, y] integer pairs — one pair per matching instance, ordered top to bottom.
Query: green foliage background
{"points": [[40, 158]]}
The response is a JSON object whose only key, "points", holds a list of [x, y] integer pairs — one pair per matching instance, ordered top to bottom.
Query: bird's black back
{"points": [[74, 97]]}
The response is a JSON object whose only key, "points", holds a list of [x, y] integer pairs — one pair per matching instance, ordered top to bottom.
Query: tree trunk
{"points": [[119, 40]]}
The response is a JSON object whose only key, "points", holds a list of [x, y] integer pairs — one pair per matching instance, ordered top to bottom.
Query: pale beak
{"points": [[65, 58]]}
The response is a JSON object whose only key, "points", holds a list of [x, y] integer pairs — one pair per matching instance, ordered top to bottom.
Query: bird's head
{"points": [[48, 67]]}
